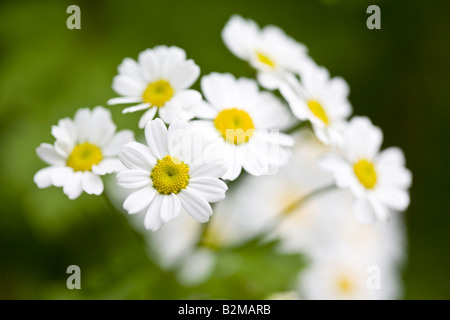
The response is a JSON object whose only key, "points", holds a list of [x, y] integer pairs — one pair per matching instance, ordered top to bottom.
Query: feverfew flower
{"points": [[269, 50], [158, 82], [319, 99], [239, 123], [85, 148], [166, 177], [378, 180], [345, 275]]}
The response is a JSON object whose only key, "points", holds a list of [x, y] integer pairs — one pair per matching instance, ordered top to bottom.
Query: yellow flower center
{"points": [[265, 60], [158, 93], [317, 110], [236, 126], [84, 156], [365, 172], [170, 175], [344, 284]]}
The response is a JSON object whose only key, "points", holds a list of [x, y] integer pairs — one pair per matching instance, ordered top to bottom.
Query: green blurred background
{"points": [[399, 77]]}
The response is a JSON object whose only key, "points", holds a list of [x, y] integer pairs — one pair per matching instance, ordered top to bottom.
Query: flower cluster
{"points": [[195, 143]]}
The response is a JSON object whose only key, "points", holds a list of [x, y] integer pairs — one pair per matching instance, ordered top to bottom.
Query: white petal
{"points": [[239, 36], [169, 58], [150, 65], [130, 68], [184, 74], [269, 80], [127, 86], [219, 89], [293, 92], [187, 98], [121, 100], [139, 107], [204, 110], [170, 112], [147, 116], [83, 123], [103, 127], [65, 132], [321, 133], [156, 136], [178, 137], [276, 137], [119, 139], [362, 139], [63, 148], [48, 154], [137, 156], [391, 156], [233, 162], [252, 164], [108, 165], [340, 169], [213, 170], [391, 171], [61, 175], [394, 176], [42, 178], [133, 179], [92, 183], [72, 188], [210, 189], [397, 199], [139, 200], [170, 207], [196, 207], [363, 211], [381, 211], [152, 220]]}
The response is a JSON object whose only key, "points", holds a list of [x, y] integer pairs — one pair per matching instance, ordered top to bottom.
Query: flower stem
{"points": [[296, 127], [306, 197], [113, 209], [279, 218]]}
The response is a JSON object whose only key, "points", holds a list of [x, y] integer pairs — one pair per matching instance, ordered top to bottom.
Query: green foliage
{"points": [[252, 271]]}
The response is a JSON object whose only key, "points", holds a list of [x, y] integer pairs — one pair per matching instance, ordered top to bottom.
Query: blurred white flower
{"points": [[269, 50], [158, 82], [320, 99], [243, 124], [85, 149], [166, 177], [378, 180], [244, 214], [175, 241], [380, 242], [174, 247], [347, 260], [197, 267], [346, 276]]}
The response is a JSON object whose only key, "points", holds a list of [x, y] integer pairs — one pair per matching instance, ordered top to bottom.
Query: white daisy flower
{"points": [[269, 50], [158, 82], [319, 99], [243, 124], [85, 149], [166, 178], [378, 180], [382, 241], [345, 275]]}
